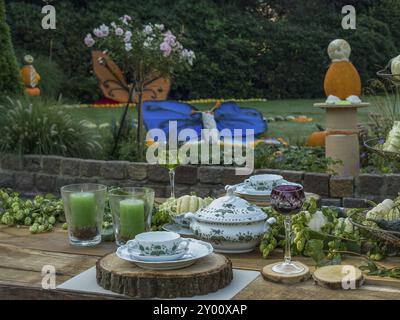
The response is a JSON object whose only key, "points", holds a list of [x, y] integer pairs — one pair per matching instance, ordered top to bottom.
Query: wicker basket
{"points": [[374, 146], [392, 238]]}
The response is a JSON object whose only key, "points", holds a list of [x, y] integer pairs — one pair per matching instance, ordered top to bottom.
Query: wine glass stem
{"points": [[172, 182], [288, 236]]}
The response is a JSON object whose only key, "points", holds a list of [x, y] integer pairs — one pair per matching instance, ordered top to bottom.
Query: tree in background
{"points": [[389, 12], [245, 49], [10, 82]]}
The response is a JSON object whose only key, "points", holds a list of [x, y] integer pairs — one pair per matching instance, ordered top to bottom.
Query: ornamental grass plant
{"points": [[385, 96], [28, 127]]}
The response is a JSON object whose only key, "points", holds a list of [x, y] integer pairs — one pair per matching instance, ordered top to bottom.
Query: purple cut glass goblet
{"points": [[288, 200]]}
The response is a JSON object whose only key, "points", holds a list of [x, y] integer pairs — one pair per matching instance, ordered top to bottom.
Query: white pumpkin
{"points": [[339, 50], [395, 67], [392, 143], [189, 204]]}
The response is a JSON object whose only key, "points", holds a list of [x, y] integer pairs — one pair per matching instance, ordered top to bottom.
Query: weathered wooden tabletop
{"points": [[23, 255]]}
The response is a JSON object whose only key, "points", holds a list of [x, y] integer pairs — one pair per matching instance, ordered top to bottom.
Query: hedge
{"points": [[241, 53], [10, 82]]}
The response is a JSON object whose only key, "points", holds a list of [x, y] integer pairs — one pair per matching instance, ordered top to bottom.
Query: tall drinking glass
{"points": [[169, 159], [288, 200], [131, 209], [84, 210]]}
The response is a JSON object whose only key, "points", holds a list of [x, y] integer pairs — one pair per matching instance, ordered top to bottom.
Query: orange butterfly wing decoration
{"points": [[114, 86]]}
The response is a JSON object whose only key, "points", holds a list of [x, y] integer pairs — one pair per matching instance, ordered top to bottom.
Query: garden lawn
{"points": [[295, 133]]}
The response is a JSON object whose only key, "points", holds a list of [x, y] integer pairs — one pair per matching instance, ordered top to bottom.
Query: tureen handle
{"points": [[230, 190], [190, 216], [269, 223]]}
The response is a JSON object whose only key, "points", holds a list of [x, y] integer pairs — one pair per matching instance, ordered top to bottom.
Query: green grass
{"points": [[291, 131]]}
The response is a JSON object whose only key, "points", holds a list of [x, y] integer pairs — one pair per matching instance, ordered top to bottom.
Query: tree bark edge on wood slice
{"points": [[207, 275], [269, 275]]}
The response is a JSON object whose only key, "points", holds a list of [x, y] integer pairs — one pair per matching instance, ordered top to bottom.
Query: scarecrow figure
{"points": [[30, 77], [342, 81]]}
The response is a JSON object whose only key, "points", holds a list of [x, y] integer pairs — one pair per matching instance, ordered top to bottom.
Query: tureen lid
{"points": [[230, 209]]}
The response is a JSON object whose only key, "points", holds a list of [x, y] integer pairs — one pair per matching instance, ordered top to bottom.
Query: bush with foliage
{"points": [[269, 48], [52, 77], [10, 82], [27, 128], [127, 148], [290, 157]]}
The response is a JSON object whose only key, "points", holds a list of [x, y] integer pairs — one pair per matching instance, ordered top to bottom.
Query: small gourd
{"points": [[395, 67], [33, 92], [317, 139], [392, 143], [189, 203], [384, 211]]}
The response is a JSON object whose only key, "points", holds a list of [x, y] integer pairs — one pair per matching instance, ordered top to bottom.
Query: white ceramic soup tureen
{"points": [[231, 224]]}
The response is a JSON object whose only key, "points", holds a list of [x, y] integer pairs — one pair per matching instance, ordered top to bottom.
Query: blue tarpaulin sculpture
{"points": [[158, 114]]}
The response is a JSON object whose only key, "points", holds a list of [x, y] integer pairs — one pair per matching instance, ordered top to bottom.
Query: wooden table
{"points": [[23, 255]]}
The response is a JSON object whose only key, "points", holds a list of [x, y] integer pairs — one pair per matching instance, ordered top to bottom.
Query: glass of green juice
{"points": [[131, 208], [84, 210]]}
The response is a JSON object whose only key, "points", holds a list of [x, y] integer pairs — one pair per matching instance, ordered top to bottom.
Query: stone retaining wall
{"points": [[34, 174]]}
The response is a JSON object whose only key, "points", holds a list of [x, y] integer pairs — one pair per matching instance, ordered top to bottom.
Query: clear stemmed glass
{"points": [[169, 159], [288, 200]]}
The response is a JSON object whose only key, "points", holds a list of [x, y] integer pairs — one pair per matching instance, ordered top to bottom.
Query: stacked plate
{"points": [[261, 198], [196, 250]]}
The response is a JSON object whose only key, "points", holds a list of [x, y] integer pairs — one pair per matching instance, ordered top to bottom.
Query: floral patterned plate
{"points": [[242, 189], [197, 249], [168, 257]]}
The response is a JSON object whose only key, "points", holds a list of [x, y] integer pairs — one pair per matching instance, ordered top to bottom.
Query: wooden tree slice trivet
{"points": [[207, 275], [270, 275], [339, 277]]}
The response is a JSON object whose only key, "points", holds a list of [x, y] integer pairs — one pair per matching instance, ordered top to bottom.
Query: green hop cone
{"points": [[19, 216], [7, 219], [52, 220], [28, 221], [34, 228], [331, 244], [300, 245], [265, 253]]}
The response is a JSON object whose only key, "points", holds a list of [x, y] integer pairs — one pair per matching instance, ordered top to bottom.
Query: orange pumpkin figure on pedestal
{"points": [[30, 77], [342, 81]]}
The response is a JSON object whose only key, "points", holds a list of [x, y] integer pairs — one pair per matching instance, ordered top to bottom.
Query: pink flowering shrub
{"points": [[139, 50], [144, 53]]}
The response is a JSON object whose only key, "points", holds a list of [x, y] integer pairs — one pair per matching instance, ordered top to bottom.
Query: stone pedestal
{"points": [[342, 142]]}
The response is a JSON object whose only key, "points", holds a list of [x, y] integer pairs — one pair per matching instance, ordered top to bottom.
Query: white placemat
{"points": [[86, 282]]}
